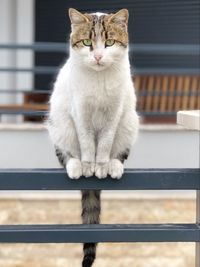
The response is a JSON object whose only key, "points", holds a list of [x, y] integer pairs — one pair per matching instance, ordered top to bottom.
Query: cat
{"points": [[93, 121]]}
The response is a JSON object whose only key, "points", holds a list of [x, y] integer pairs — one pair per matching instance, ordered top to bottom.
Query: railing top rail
{"points": [[133, 179]]}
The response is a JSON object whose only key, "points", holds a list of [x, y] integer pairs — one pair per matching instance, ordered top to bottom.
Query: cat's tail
{"points": [[91, 208]]}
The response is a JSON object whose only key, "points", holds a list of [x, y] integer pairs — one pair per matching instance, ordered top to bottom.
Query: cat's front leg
{"points": [[87, 145], [104, 145]]}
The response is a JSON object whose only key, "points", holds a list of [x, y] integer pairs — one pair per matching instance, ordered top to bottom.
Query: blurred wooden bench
{"points": [[157, 94], [167, 94], [32, 102], [26, 106]]}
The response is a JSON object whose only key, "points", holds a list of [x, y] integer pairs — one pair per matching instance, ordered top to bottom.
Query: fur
{"points": [[92, 120]]}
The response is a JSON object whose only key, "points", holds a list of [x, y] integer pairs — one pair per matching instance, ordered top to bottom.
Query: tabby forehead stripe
{"points": [[95, 20], [104, 32], [92, 33]]}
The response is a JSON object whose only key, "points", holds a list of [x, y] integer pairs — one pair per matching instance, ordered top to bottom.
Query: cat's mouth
{"points": [[99, 64]]}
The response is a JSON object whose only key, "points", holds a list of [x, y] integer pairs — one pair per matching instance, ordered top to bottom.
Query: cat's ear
{"points": [[77, 17], [120, 17]]}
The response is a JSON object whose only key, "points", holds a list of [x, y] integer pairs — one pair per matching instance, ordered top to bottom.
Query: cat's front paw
{"points": [[74, 168], [88, 168], [116, 168], [101, 170]]}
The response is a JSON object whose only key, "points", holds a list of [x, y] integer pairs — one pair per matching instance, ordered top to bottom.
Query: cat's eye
{"points": [[87, 42], [109, 42]]}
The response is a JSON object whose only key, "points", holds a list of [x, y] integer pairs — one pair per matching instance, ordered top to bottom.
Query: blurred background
{"points": [[165, 63]]}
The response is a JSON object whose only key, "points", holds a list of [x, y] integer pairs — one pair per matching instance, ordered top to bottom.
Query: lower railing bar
{"points": [[26, 91], [143, 92], [168, 93], [14, 112], [23, 112], [45, 113], [157, 113], [133, 179], [198, 223], [99, 233]]}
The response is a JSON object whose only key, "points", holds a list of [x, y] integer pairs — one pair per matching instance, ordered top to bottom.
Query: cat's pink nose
{"points": [[98, 57]]}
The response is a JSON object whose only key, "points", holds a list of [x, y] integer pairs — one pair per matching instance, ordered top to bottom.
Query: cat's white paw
{"points": [[74, 168], [88, 168], [116, 168], [101, 170]]}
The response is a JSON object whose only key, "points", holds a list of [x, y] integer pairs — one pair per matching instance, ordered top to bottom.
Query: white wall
{"points": [[16, 26], [25, 35], [8, 57], [164, 148]]}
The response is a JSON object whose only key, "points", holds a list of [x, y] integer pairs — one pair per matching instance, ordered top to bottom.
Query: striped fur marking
{"points": [[99, 26]]}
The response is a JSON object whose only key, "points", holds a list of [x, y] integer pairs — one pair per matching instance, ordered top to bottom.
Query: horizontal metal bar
{"points": [[39, 46], [137, 48], [165, 49], [37, 70], [43, 70], [166, 71], [25, 91], [144, 92], [175, 92], [23, 112], [44, 113], [157, 113], [133, 179], [99, 233]]}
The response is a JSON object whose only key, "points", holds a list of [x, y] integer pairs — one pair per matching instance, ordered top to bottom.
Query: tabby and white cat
{"points": [[92, 120]]}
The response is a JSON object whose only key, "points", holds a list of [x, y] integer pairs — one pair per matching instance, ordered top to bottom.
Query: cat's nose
{"points": [[98, 57]]}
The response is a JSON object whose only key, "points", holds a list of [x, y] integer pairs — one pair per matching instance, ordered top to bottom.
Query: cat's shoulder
{"points": [[64, 69]]}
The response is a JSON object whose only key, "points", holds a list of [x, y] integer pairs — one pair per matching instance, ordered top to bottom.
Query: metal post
{"points": [[198, 222]]}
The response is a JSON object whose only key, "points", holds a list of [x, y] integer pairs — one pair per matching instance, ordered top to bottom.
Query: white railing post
{"points": [[198, 221]]}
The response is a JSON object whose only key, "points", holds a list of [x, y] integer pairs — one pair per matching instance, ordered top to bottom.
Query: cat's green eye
{"points": [[87, 42], [109, 42]]}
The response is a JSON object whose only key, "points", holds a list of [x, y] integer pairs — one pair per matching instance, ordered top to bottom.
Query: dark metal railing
{"points": [[137, 49], [156, 49], [43, 113], [133, 179], [138, 179]]}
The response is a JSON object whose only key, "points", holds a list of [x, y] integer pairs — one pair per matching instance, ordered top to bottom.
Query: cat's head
{"points": [[99, 40]]}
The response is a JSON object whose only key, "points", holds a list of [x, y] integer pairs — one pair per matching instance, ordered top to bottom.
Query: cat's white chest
{"points": [[96, 89]]}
